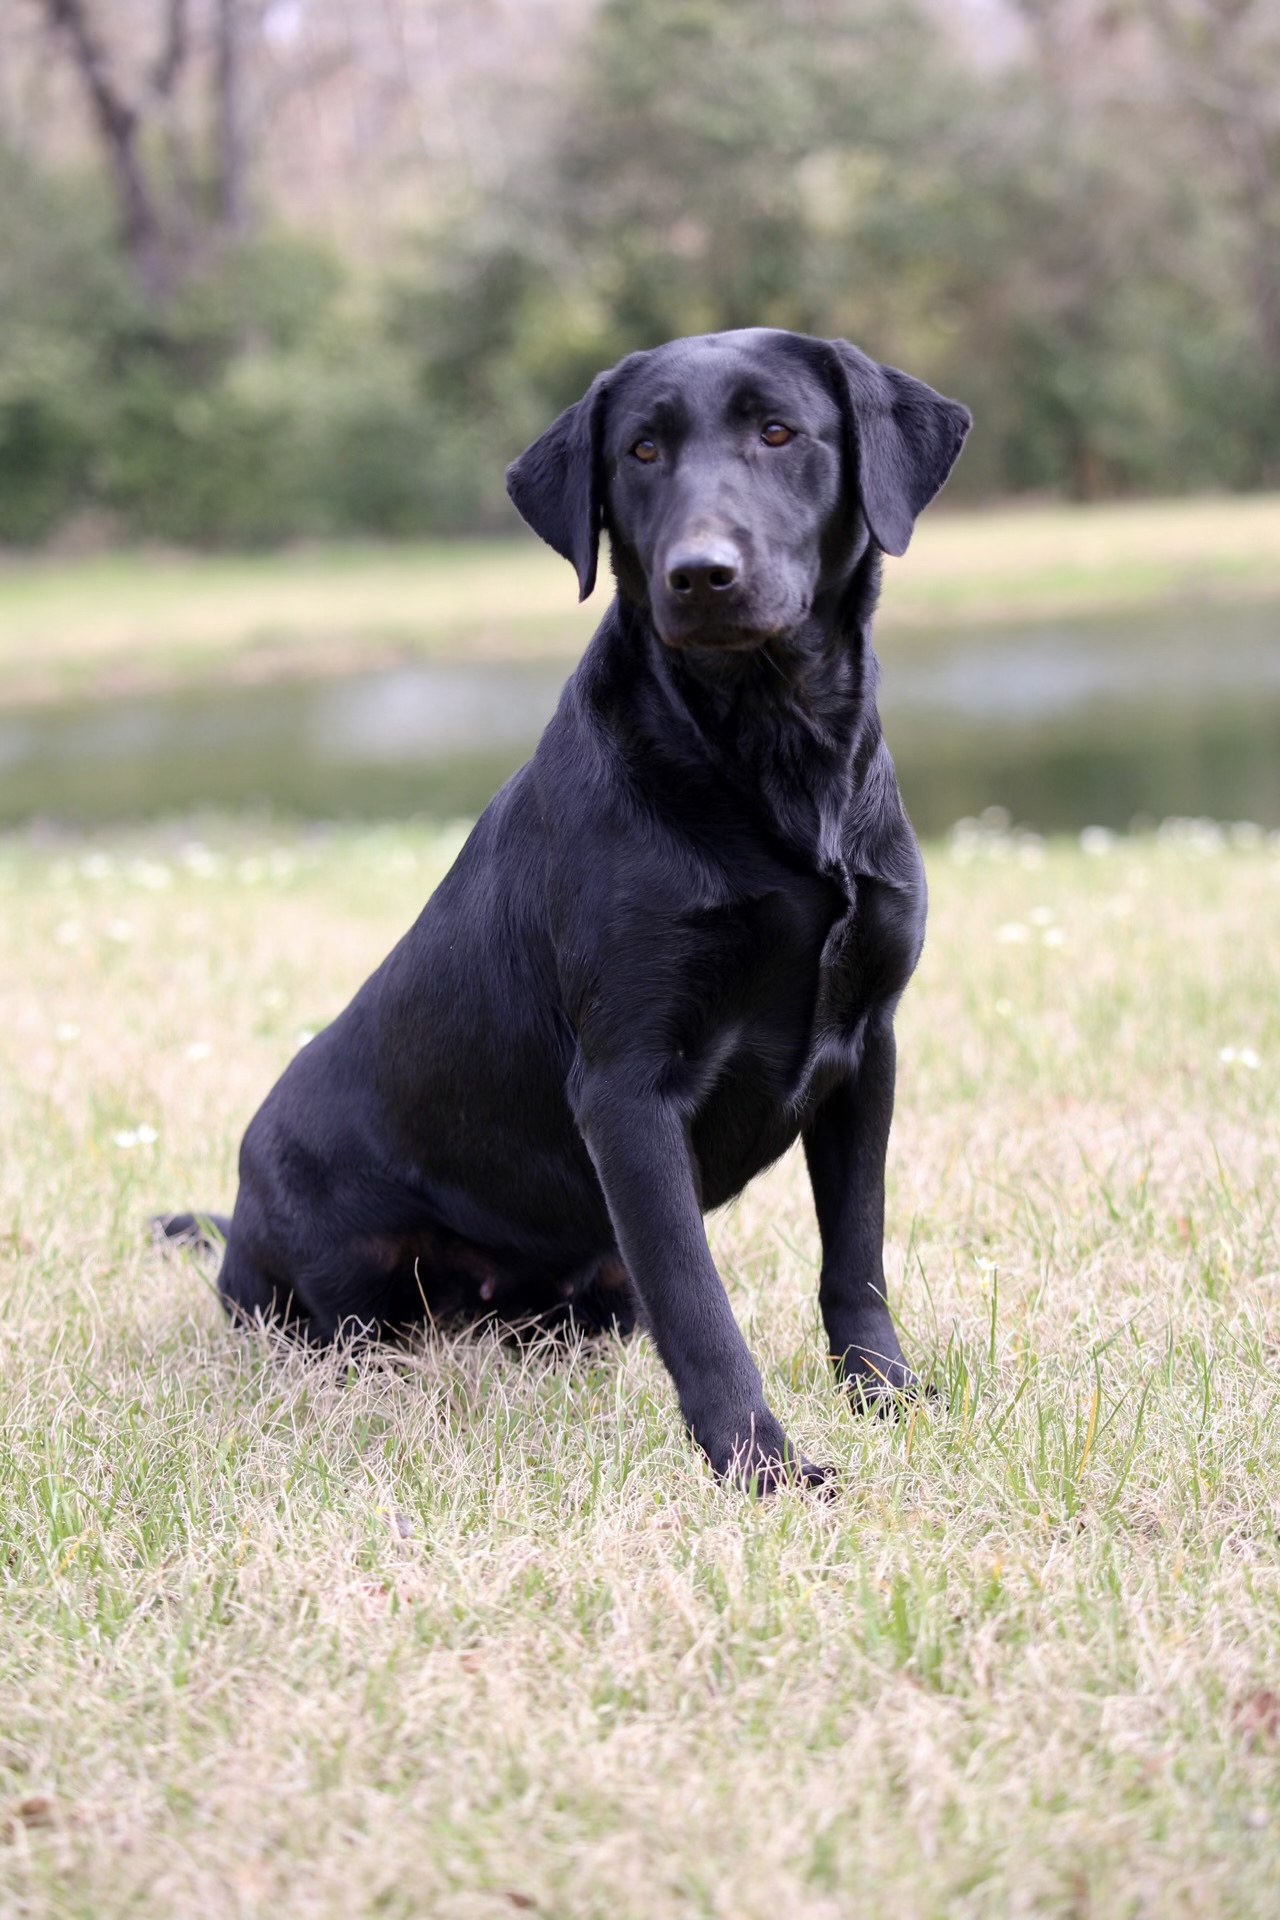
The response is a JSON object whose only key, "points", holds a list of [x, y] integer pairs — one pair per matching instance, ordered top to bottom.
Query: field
{"points": [[121, 622], [464, 1633]]}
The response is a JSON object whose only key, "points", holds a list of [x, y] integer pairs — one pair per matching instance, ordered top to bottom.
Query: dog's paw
{"points": [[871, 1368], [884, 1390], [762, 1461], [762, 1477], [811, 1478]]}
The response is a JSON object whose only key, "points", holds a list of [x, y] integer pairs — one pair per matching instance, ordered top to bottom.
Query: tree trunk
{"points": [[117, 121], [233, 207]]}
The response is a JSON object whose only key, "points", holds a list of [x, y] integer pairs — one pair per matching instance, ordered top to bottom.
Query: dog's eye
{"points": [[776, 435], [645, 450]]}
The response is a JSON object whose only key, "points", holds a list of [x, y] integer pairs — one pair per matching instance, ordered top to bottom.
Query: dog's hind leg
{"points": [[246, 1290], [249, 1293], [607, 1304]]}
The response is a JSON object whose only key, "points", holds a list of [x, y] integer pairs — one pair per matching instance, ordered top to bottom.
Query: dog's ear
{"points": [[905, 437], [557, 487]]}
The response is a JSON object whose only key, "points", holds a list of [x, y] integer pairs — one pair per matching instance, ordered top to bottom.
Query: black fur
{"points": [[674, 941]]}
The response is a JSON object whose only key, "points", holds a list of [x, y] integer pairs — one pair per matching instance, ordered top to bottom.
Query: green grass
{"points": [[121, 622], [464, 1633]]}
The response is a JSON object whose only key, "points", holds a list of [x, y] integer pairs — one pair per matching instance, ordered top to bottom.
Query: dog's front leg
{"points": [[845, 1145], [641, 1154]]}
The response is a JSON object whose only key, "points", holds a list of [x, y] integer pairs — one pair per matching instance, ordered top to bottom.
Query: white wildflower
{"points": [[1196, 836], [964, 840], [1097, 841], [198, 860], [67, 932], [1012, 934], [199, 1050], [129, 1137]]}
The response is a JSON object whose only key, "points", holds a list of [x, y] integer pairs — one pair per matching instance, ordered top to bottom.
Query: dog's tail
{"points": [[206, 1231]]}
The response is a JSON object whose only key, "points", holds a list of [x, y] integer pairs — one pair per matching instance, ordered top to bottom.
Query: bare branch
{"points": [[173, 55], [228, 88], [117, 122]]}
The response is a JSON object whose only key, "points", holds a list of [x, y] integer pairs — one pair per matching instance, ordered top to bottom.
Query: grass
{"points": [[123, 622], [462, 1633]]}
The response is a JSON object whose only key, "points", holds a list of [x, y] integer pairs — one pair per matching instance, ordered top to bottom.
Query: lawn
{"points": [[126, 621], [465, 1633]]}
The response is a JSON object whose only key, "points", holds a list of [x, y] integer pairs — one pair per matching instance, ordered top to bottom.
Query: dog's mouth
{"points": [[732, 632], [717, 639]]}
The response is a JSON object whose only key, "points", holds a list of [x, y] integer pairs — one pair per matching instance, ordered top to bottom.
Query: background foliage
{"points": [[1067, 213]]}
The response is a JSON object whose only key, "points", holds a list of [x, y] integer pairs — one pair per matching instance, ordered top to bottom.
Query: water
{"points": [[1065, 723]]}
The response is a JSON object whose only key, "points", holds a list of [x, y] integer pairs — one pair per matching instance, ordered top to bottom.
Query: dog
{"points": [[675, 940]]}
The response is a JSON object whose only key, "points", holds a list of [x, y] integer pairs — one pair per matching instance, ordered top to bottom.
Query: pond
{"points": [[1064, 723]]}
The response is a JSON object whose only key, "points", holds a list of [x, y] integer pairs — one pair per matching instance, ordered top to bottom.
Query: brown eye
{"points": [[776, 435], [645, 450]]}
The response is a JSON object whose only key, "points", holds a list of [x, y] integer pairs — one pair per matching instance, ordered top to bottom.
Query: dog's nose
{"points": [[701, 574]]}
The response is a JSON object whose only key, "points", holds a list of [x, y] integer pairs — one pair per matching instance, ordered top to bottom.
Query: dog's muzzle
{"points": [[703, 600]]}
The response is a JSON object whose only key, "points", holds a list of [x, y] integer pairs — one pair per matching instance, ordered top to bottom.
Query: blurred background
{"points": [[285, 283]]}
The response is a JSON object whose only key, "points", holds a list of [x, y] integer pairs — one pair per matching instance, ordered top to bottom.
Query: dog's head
{"points": [[739, 475]]}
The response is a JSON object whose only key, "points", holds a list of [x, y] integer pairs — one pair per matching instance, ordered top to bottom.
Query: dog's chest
{"points": [[796, 974], [775, 980]]}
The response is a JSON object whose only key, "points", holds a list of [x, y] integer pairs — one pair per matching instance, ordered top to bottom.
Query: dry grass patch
{"points": [[1021, 563], [122, 622], [467, 1632]]}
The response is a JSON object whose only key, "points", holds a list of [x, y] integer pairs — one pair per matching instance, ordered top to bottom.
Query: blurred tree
{"points": [[1222, 63], [177, 97], [123, 124], [145, 135], [719, 164], [1065, 211], [1031, 233], [1084, 310]]}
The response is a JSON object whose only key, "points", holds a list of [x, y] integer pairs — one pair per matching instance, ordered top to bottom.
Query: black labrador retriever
{"points": [[675, 939]]}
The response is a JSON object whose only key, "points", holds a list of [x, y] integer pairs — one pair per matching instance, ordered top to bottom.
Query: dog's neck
{"points": [[792, 724]]}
